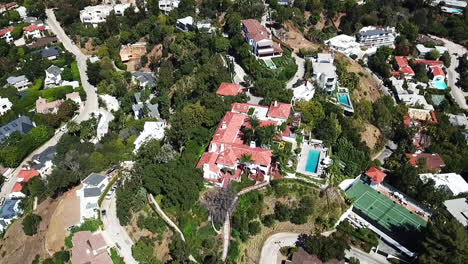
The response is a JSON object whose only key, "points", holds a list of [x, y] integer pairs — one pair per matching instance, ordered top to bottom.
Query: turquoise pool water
{"points": [[454, 10], [440, 85], [344, 99], [312, 161]]}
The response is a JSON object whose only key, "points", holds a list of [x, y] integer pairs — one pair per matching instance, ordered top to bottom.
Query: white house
{"points": [[167, 6], [119, 9], [95, 14], [185, 24], [34, 31], [5, 34], [376, 36], [260, 39], [344, 44], [423, 50], [324, 71], [53, 76], [19, 82], [304, 92], [415, 100], [5, 105], [105, 118], [459, 120], [152, 130], [43, 162], [453, 183], [93, 187], [458, 208]]}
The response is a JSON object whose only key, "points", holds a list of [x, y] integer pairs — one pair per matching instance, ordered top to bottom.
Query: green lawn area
{"points": [[75, 71], [116, 259]]}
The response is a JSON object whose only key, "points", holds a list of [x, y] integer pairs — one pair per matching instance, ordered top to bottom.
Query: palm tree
{"points": [[246, 158]]}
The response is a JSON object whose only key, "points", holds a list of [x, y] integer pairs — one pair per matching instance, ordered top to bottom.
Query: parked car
{"points": [[2, 201]]}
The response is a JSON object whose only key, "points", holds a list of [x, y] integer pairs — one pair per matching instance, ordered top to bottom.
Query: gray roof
{"points": [[373, 32], [50, 52], [54, 70], [147, 77], [16, 79], [137, 97], [153, 110], [22, 125], [44, 156], [94, 179], [92, 192], [8, 209], [459, 209]]}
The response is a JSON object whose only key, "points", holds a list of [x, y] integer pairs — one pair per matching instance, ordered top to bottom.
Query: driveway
{"points": [[300, 62], [239, 75], [457, 92], [114, 233], [270, 250]]}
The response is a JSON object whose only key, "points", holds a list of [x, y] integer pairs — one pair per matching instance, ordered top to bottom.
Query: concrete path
{"points": [[300, 62], [114, 233]]}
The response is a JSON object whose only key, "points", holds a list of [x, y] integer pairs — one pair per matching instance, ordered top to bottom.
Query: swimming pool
{"points": [[454, 10], [440, 85], [343, 98], [312, 161]]}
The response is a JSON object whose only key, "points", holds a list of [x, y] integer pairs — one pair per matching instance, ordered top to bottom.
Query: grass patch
{"points": [[75, 71], [90, 224], [116, 258]]}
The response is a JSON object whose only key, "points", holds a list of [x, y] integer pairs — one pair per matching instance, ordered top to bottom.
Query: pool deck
{"points": [[303, 156]]}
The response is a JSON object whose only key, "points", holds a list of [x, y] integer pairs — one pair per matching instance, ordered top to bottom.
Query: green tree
{"points": [[31, 224], [142, 251]]}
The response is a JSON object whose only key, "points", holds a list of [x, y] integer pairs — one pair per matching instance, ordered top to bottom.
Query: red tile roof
{"points": [[32, 28], [6, 30], [256, 30], [430, 62], [403, 65], [437, 71], [228, 89], [244, 107], [279, 110], [406, 120], [229, 127], [234, 152], [210, 159], [434, 161], [26, 175], [377, 176], [17, 187], [89, 248]]}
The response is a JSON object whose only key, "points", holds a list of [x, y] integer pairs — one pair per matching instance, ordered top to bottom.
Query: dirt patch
{"points": [[296, 40], [369, 87], [371, 136], [66, 214], [17, 248], [161, 248]]}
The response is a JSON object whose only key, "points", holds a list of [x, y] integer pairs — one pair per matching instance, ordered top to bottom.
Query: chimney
{"points": [[276, 104], [223, 125], [252, 144], [221, 149]]}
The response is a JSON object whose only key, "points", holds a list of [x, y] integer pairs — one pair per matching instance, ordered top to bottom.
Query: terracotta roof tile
{"points": [[33, 27], [6, 30], [228, 89], [279, 110], [434, 161], [377, 176]]}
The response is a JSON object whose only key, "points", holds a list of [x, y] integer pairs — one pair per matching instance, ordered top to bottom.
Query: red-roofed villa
{"points": [[34, 31], [5, 34], [403, 67], [229, 89], [434, 162], [23, 176], [376, 176]]}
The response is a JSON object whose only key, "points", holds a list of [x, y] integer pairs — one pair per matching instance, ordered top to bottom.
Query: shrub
{"points": [[31, 223]]}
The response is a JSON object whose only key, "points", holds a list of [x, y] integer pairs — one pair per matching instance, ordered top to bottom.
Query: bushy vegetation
{"points": [[31, 224]]}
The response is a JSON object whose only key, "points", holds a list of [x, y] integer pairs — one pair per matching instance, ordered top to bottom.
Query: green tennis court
{"points": [[381, 209]]}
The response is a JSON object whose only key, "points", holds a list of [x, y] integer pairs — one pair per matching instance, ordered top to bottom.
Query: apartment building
{"points": [[376, 36]]}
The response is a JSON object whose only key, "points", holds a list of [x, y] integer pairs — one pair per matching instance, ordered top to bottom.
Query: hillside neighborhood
{"points": [[234, 131]]}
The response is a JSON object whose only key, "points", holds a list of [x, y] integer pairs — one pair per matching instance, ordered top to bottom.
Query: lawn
{"points": [[75, 71]]}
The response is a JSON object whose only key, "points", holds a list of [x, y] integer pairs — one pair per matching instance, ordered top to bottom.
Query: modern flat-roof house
{"points": [[166, 6], [450, 6], [94, 15], [185, 24], [34, 31], [5, 34], [376, 36], [260, 39], [344, 44], [423, 50], [324, 71], [53, 76], [144, 79], [19, 82], [229, 89], [415, 100], [112, 104], [5, 105], [104, 117], [21, 125], [152, 130], [223, 161], [43, 162], [434, 162], [23, 176], [453, 183], [93, 187], [458, 208], [89, 248]]}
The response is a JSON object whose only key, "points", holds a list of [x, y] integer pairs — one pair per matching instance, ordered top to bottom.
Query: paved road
{"points": [[300, 62], [457, 92], [91, 104], [114, 233], [270, 250]]}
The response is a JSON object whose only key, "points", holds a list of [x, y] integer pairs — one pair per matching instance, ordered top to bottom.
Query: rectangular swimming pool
{"points": [[440, 85], [343, 98], [312, 161]]}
